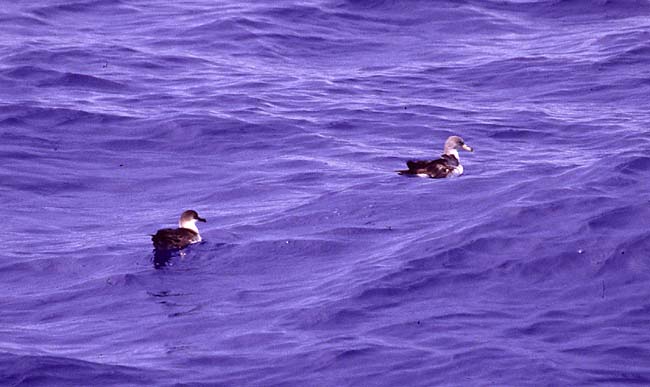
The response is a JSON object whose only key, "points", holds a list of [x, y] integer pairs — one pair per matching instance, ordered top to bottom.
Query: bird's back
{"points": [[438, 168], [174, 238]]}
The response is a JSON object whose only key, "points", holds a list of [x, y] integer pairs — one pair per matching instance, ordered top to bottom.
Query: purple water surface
{"points": [[282, 124]]}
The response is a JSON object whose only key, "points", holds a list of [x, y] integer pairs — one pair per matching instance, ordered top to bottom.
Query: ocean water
{"points": [[282, 124]]}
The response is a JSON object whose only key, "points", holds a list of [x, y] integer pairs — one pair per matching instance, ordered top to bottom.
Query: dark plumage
{"points": [[446, 166], [438, 168], [174, 238], [178, 238]]}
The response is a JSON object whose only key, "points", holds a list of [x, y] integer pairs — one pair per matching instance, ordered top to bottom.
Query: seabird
{"points": [[447, 165], [167, 239]]}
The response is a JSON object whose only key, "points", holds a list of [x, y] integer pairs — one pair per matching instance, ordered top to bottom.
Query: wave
{"points": [[86, 7], [83, 81], [19, 113], [31, 370]]}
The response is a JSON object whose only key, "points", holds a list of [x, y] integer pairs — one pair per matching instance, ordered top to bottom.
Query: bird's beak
{"points": [[467, 148], [200, 219]]}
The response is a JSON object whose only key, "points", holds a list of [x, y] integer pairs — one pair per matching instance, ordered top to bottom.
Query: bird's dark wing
{"points": [[450, 160], [418, 164], [415, 167], [442, 167], [439, 168], [171, 239]]}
